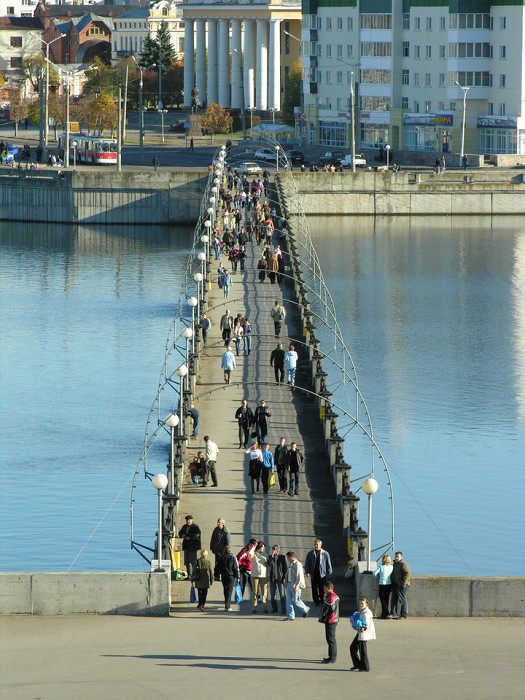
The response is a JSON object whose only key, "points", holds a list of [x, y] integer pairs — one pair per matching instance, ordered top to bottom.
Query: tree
{"points": [[160, 47], [34, 66], [2, 79], [101, 79], [174, 83], [292, 94], [81, 109], [103, 113], [216, 120]]}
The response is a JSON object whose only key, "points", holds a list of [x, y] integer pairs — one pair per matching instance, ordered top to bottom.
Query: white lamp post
{"points": [[465, 91], [162, 112], [352, 119], [75, 144], [387, 148], [277, 158], [198, 277], [192, 302], [188, 333], [182, 371], [172, 421], [159, 481], [370, 487]]}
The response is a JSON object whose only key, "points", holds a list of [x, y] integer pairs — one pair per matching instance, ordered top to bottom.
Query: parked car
{"points": [[267, 154], [295, 156], [332, 158], [360, 161], [248, 168]]}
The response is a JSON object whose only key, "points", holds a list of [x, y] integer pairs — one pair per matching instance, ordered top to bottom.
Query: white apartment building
{"points": [[17, 8], [404, 59]]}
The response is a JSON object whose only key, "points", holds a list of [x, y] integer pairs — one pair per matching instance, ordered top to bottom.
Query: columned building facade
{"points": [[238, 54]]}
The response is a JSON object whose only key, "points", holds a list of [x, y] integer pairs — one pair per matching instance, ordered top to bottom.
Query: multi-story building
{"points": [[19, 39], [409, 64]]}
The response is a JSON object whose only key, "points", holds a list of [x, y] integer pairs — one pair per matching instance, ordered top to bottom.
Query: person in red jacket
{"points": [[244, 559], [330, 616]]}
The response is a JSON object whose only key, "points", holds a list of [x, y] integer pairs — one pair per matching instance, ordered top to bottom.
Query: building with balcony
{"points": [[404, 60]]}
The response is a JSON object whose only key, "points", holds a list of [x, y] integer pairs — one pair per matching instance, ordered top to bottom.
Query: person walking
{"points": [[192, 148], [155, 162], [261, 266], [227, 281], [278, 314], [205, 325], [226, 326], [247, 330], [238, 332], [277, 360], [290, 363], [228, 364], [261, 414], [244, 416], [279, 458], [211, 460], [255, 465], [294, 465], [268, 468], [220, 539], [191, 543], [244, 559], [277, 567], [318, 567], [227, 570], [259, 577], [202, 578], [294, 584], [385, 584], [400, 584], [330, 616], [364, 626]]}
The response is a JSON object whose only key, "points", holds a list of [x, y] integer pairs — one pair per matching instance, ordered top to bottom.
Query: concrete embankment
{"points": [[146, 197]]}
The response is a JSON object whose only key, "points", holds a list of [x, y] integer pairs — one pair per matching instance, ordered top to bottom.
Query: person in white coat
{"points": [[290, 364], [260, 576], [294, 584], [365, 631]]}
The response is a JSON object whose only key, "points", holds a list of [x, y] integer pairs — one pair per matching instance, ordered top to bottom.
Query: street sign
{"points": [[302, 116], [186, 125], [74, 127]]}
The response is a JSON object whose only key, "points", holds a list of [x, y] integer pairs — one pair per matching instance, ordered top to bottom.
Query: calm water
{"points": [[434, 315]]}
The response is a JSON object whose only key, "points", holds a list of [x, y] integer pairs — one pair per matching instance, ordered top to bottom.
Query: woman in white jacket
{"points": [[260, 576], [365, 631]]}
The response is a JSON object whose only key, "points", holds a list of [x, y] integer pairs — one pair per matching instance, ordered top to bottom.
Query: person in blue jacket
{"points": [[268, 467], [318, 567]]}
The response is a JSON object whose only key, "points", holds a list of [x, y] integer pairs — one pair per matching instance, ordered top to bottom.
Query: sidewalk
{"points": [[235, 657]]}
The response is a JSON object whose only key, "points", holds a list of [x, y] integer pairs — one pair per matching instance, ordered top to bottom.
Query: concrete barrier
{"points": [[104, 593], [455, 596]]}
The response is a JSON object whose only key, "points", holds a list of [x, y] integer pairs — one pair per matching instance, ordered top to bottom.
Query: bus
{"points": [[90, 149]]}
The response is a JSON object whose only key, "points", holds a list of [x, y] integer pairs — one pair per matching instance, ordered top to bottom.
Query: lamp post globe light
{"points": [[465, 91], [75, 144], [387, 148], [212, 200], [192, 303], [188, 333], [182, 371], [172, 421], [159, 481], [370, 487]]}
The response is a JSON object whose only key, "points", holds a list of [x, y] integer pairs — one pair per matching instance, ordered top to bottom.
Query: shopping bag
{"points": [[271, 481], [238, 593], [193, 594]]}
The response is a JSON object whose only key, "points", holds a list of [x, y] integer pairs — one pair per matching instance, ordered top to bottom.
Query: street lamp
{"points": [[465, 90], [162, 112], [352, 119], [45, 133], [75, 144], [387, 148], [277, 157], [198, 277], [192, 303], [188, 333], [182, 371], [172, 421], [159, 481], [370, 487]]}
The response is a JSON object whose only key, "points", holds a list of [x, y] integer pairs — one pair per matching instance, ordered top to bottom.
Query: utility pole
{"points": [[160, 105], [125, 110], [141, 116], [352, 119], [119, 130], [66, 135]]}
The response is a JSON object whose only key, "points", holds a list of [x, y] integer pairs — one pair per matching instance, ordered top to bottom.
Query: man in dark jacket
{"points": [[277, 360], [244, 415], [261, 424], [279, 457], [294, 464], [220, 539], [191, 543], [277, 567], [318, 567], [228, 570], [400, 584]]}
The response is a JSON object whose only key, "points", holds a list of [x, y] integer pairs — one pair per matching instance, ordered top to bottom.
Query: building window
{"points": [[10, 10], [164, 11], [406, 20], [376, 21], [470, 21], [319, 23], [329, 23], [339, 23], [350, 23], [417, 23], [503, 23], [428, 24], [442, 24], [16, 41], [376, 48], [406, 49], [319, 50], [480, 50], [329, 51], [339, 51], [350, 51], [417, 51], [428, 52], [442, 52], [503, 52], [16, 62], [328, 77], [339, 77], [376, 77], [405, 77], [349, 78], [470, 78], [319, 79], [417, 79], [428, 79], [442, 80], [502, 81], [328, 103], [404, 103], [339, 104], [375, 104], [416, 106], [441, 106], [452, 106], [428, 107], [490, 108], [502, 109], [333, 134], [374, 135]]}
